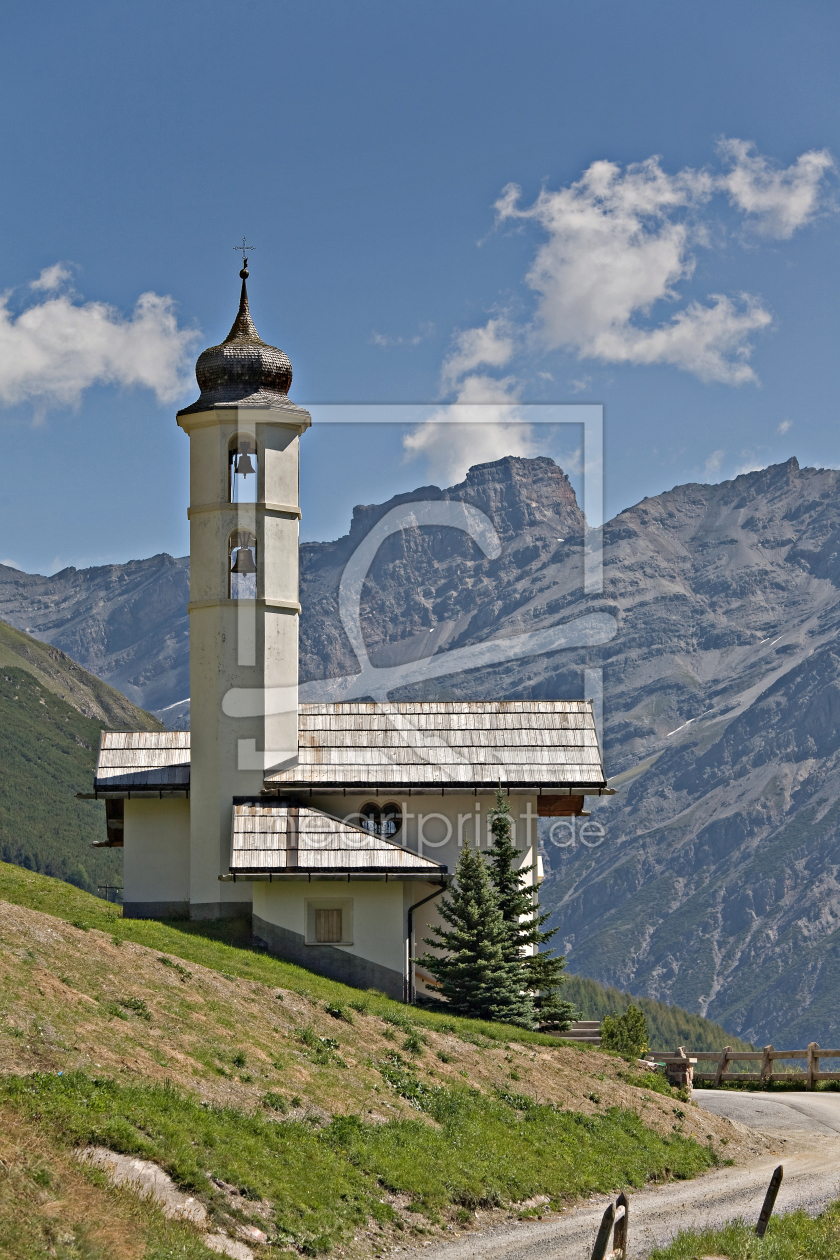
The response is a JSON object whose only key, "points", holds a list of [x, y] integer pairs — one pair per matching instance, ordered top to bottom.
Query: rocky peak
{"points": [[515, 493]]}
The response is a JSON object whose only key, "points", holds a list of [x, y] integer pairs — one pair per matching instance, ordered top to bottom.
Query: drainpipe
{"points": [[409, 965]]}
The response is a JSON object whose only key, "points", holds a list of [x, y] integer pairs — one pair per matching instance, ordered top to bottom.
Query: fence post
{"points": [[813, 1064], [766, 1066], [721, 1067], [769, 1201], [620, 1233], [599, 1251]]}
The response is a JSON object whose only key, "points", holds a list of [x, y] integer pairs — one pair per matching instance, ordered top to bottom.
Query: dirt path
{"points": [[805, 1135]]}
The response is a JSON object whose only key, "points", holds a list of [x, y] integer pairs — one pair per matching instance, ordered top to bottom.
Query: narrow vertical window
{"points": [[243, 467], [242, 564]]}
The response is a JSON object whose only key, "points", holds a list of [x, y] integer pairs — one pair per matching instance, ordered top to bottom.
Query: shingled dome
{"points": [[243, 371]]}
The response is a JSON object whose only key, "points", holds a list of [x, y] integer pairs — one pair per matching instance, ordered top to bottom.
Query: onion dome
{"points": [[243, 371]]}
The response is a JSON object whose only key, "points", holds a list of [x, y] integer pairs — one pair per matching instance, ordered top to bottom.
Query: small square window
{"points": [[328, 921], [328, 926]]}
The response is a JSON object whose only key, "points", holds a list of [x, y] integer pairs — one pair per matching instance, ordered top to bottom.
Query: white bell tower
{"points": [[244, 513]]}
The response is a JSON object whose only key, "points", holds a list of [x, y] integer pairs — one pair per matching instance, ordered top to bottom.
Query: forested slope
{"points": [[51, 714]]}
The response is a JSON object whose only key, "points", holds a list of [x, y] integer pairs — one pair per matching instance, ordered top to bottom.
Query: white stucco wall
{"points": [[437, 827], [156, 854], [376, 907]]}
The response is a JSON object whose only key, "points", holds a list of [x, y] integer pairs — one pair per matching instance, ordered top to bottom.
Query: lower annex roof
{"points": [[287, 838]]}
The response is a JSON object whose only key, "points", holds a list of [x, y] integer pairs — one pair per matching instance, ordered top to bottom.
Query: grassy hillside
{"points": [[58, 673], [51, 715], [668, 1026], [308, 1113]]}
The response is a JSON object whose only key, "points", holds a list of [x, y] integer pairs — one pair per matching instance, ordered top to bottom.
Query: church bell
{"points": [[244, 465], [244, 562]]}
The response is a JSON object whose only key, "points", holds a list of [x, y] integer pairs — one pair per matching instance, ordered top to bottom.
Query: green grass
{"points": [[224, 946], [794, 1085], [322, 1179], [322, 1183], [29, 1230], [795, 1236]]}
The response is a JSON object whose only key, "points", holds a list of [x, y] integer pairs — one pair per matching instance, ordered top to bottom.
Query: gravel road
{"points": [[805, 1135]]}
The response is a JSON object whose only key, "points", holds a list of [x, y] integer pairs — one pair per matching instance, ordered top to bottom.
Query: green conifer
{"points": [[477, 974], [542, 974]]}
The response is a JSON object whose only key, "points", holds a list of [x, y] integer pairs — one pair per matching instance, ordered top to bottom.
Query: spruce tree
{"points": [[477, 974], [542, 974]]}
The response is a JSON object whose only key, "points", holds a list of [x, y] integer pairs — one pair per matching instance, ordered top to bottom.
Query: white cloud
{"points": [[777, 202], [619, 241], [51, 278], [387, 341], [490, 346], [56, 349], [483, 423], [480, 426], [784, 426], [750, 464], [12, 564]]}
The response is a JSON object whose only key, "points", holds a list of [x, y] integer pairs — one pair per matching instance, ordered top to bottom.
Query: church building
{"points": [[333, 826]]}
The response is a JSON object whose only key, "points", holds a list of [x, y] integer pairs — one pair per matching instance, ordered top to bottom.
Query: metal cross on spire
{"points": [[244, 249]]}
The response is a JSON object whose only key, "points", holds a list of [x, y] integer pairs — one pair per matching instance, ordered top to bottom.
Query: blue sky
{"points": [[363, 148]]}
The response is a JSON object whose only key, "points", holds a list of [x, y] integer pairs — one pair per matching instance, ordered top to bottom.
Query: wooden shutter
{"points": [[327, 926]]}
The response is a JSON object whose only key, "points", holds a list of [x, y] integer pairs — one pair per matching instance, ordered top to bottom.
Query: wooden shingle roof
{"points": [[446, 744], [527, 745], [143, 760], [289, 838]]}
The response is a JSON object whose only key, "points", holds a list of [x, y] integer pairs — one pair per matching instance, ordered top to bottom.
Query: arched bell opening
{"points": [[243, 467], [242, 564]]}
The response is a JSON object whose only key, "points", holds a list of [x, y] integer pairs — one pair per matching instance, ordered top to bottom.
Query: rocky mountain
{"points": [[432, 590], [126, 623], [55, 672], [716, 884]]}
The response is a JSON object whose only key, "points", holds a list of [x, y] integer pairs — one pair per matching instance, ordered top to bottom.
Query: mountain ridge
{"points": [[128, 623], [63, 676]]}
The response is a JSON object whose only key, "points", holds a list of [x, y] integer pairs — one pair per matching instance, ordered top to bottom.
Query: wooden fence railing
{"points": [[718, 1075]]}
